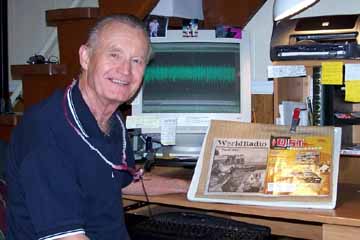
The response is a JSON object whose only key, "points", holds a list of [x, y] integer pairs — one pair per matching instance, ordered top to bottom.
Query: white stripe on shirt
{"points": [[63, 234]]}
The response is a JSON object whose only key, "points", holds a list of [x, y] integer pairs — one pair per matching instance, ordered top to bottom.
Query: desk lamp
{"points": [[286, 8]]}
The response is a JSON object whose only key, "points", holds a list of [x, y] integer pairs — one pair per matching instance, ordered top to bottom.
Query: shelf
{"points": [[137, 8], [56, 16], [312, 63], [19, 71], [39, 81], [348, 118], [10, 119], [7, 123], [353, 151]]}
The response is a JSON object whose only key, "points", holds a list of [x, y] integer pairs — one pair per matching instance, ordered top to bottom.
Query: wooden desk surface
{"points": [[347, 211]]}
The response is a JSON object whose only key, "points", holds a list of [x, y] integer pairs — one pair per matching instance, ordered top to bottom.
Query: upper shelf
{"points": [[139, 8], [53, 17], [311, 63], [18, 71]]}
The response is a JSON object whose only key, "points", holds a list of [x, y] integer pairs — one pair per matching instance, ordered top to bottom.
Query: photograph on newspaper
{"points": [[237, 166]]}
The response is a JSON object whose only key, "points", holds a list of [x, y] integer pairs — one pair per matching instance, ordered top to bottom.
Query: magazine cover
{"points": [[265, 164], [299, 166]]}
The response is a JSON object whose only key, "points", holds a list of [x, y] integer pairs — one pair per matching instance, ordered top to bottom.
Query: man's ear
{"points": [[84, 55]]}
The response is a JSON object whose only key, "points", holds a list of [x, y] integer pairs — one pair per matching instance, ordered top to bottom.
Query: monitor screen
{"points": [[193, 80]]}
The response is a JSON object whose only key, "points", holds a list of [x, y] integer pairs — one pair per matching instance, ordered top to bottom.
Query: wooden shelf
{"points": [[139, 8], [229, 12], [54, 17], [73, 25], [312, 63], [19, 71], [40, 80], [299, 88], [9, 119], [7, 123]]}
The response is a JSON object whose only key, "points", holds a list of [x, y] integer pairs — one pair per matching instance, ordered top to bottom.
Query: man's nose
{"points": [[124, 67]]}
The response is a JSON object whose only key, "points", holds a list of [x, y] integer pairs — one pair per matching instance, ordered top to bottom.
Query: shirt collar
{"points": [[88, 120]]}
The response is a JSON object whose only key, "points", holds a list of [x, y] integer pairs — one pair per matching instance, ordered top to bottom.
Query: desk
{"points": [[342, 223]]}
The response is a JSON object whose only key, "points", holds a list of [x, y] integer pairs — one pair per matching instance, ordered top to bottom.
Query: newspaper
{"points": [[265, 164], [237, 166]]}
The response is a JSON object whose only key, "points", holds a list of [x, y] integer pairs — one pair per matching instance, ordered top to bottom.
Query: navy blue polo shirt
{"points": [[58, 186]]}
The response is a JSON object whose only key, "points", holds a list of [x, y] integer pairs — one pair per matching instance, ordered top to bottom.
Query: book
{"points": [[265, 164]]}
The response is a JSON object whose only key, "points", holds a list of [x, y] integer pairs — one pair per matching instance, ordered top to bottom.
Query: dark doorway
{"points": [[4, 59]]}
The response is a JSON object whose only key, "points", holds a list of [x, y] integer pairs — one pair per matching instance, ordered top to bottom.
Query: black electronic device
{"points": [[323, 37], [36, 59], [39, 59], [145, 152], [193, 226]]}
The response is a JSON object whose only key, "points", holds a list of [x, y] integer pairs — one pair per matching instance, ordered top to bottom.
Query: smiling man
{"points": [[70, 155]]}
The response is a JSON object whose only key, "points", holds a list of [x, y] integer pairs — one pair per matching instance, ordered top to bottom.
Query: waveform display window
{"points": [[193, 78]]}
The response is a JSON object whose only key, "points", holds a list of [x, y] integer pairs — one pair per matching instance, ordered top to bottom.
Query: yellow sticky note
{"points": [[332, 73], [352, 91]]}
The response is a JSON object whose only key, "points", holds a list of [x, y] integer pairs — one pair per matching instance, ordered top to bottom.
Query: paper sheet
{"points": [[286, 71], [352, 71], [332, 73], [352, 90], [142, 122], [168, 131]]}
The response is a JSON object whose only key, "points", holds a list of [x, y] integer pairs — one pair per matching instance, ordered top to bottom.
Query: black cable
{"points": [[146, 197]]}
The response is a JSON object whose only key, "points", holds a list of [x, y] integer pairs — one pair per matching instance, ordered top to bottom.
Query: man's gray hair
{"points": [[127, 19]]}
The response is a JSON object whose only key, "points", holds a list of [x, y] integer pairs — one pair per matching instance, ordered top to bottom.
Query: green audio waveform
{"points": [[200, 74]]}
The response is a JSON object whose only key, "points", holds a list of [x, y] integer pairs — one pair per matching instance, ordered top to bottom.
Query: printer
{"points": [[323, 37]]}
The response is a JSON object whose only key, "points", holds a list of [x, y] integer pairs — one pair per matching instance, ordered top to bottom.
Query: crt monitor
{"points": [[188, 82]]}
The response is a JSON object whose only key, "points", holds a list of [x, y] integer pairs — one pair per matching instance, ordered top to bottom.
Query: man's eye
{"points": [[114, 55], [137, 61]]}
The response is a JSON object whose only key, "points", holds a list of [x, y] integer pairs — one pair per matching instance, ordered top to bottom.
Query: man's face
{"points": [[113, 69]]}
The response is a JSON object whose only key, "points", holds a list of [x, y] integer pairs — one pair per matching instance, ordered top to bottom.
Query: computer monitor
{"points": [[192, 80]]}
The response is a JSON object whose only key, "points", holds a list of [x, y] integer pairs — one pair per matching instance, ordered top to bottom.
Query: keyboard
{"points": [[193, 226]]}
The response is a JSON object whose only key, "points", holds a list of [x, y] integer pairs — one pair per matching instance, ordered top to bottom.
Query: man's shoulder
{"points": [[45, 110], [39, 119]]}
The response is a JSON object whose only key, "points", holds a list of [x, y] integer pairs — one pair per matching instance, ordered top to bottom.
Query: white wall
{"points": [[27, 28], [260, 28], [28, 31]]}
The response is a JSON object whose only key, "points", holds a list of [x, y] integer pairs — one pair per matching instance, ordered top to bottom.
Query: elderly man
{"points": [[70, 156]]}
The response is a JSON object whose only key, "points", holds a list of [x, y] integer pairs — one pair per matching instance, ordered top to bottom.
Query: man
{"points": [[154, 27], [70, 155]]}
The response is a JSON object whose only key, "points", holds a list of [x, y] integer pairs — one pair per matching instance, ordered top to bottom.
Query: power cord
{"points": [[146, 197]]}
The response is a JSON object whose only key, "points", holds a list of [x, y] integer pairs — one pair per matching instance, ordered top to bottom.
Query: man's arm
{"points": [[157, 185]]}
